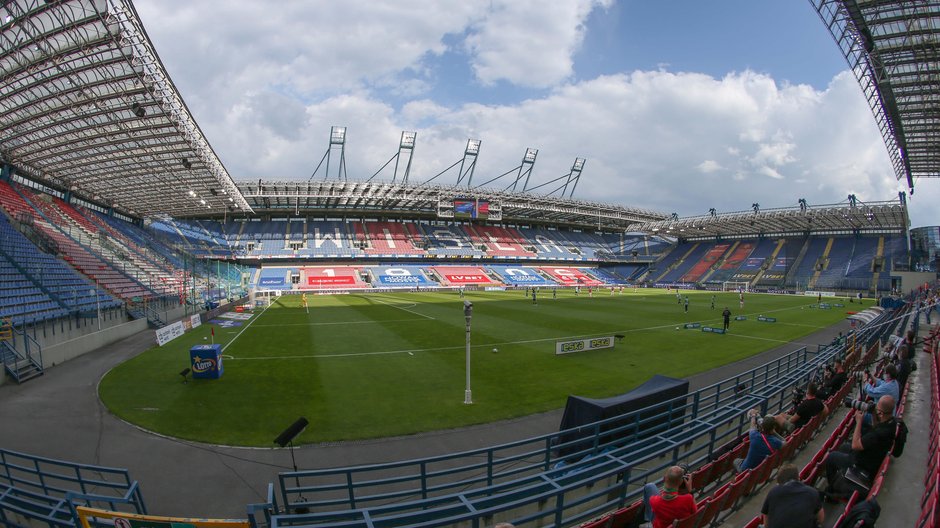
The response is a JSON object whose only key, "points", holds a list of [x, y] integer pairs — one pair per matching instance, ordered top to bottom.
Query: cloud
{"points": [[529, 42], [266, 84], [709, 166]]}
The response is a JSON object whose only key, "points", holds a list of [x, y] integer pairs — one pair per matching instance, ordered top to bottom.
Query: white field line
{"points": [[399, 307], [337, 323], [249, 324], [502, 343]]}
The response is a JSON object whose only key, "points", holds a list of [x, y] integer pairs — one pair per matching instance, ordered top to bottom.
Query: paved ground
{"points": [[60, 416]]}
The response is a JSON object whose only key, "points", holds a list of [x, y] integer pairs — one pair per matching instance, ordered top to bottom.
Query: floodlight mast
{"points": [[337, 141], [405, 144], [470, 161], [528, 163]]}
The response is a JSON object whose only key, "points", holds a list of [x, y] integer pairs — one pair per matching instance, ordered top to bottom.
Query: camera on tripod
{"points": [[861, 376], [859, 405]]}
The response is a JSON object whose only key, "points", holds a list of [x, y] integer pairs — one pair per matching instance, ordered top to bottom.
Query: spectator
{"points": [[903, 366], [834, 380], [876, 388], [804, 412], [763, 442], [866, 451], [673, 503], [792, 504]]}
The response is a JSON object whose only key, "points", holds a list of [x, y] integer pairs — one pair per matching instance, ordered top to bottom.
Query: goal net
{"points": [[735, 286]]}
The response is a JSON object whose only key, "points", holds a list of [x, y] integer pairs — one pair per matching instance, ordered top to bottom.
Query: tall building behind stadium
{"points": [[118, 218]]}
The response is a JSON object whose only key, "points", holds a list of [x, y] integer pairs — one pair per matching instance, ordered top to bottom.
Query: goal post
{"points": [[735, 286]]}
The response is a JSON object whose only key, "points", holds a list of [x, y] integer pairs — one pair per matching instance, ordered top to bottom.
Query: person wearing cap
{"points": [[763, 441]]}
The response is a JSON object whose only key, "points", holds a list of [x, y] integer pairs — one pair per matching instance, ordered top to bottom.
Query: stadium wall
{"points": [[910, 280], [74, 348]]}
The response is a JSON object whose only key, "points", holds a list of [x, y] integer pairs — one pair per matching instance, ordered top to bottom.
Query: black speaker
{"points": [[138, 110], [291, 432]]}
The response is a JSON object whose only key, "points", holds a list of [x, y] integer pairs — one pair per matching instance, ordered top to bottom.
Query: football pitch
{"points": [[367, 365]]}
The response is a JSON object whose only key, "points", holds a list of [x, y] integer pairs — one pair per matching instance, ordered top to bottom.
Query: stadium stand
{"points": [[390, 239], [445, 241], [499, 241], [549, 244], [688, 255], [709, 259], [732, 261], [808, 261], [751, 266], [461, 275], [521, 275], [570, 276], [399, 277], [331, 278]]}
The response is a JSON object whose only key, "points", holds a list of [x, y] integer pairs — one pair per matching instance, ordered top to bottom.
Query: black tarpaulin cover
{"points": [[580, 411]]}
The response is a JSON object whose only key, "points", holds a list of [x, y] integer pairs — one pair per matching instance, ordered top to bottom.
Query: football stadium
{"points": [[182, 346]]}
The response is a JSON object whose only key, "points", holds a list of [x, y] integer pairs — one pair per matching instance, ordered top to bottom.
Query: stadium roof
{"points": [[893, 48], [87, 106], [347, 198], [845, 218]]}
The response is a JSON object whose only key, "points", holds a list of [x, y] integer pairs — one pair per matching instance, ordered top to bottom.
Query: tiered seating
{"points": [[390, 238], [329, 239], [444, 241], [499, 241], [549, 244], [590, 246], [698, 251], [75, 254], [840, 256], [710, 258], [732, 262], [750, 267], [807, 267], [628, 272], [462, 275], [521, 275], [570, 276], [400, 277], [331, 278], [274, 279], [46, 287], [930, 501]]}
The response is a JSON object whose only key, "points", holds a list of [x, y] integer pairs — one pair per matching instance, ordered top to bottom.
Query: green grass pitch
{"points": [[383, 364]]}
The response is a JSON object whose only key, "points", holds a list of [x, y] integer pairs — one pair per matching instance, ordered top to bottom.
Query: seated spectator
{"points": [[834, 380], [876, 388], [804, 412], [763, 442], [866, 451], [673, 503], [792, 504]]}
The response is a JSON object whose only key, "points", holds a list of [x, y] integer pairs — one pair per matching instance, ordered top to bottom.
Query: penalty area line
{"points": [[399, 307], [248, 325]]}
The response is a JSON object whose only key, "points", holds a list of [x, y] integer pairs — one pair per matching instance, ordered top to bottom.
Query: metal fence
{"points": [[530, 481]]}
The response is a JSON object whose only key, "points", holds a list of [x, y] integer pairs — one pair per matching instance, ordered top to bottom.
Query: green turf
{"points": [[373, 365]]}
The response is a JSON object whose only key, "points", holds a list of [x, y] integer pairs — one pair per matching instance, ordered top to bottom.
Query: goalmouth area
{"points": [[361, 366]]}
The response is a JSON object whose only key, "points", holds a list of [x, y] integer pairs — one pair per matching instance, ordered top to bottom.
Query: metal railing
{"points": [[532, 481], [46, 489]]}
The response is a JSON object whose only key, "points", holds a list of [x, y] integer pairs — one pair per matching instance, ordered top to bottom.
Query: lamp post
{"points": [[468, 314]]}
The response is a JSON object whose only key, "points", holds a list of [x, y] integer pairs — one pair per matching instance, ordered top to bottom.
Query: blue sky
{"points": [[672, 103]]}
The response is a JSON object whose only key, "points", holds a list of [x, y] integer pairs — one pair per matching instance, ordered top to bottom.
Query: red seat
{"points": [[625, 516]]}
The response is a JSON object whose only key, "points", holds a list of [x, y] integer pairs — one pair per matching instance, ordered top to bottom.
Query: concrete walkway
{"points": [[60, 416]]}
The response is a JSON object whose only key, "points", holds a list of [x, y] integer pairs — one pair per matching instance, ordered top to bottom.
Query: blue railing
{"points": [[529, 481], [45, 489]]}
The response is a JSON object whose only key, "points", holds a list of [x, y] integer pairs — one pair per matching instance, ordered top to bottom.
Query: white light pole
{"points": [[468, 314]]}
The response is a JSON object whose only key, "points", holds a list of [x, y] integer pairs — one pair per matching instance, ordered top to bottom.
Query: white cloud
{"points": [[529, 42], [266, 84], [709, 166]]}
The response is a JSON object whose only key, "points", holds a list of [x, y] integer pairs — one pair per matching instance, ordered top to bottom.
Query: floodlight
{"points": [[337, 135], [408, 140], [473, 147], [530, 154], [578, 164], [192, 193]]}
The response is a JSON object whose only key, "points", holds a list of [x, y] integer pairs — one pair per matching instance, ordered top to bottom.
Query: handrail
{"points": [[718, 416]]}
